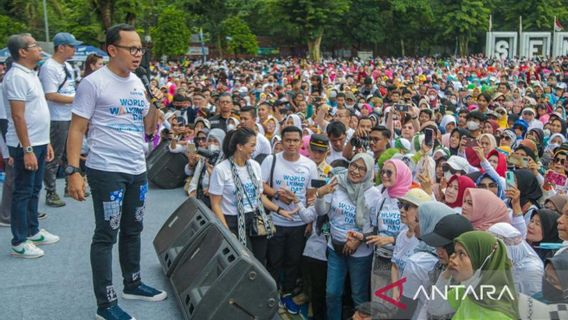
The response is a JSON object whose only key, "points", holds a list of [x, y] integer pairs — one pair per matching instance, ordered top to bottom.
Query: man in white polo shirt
{"points": [[58, 81], [28, 142]]}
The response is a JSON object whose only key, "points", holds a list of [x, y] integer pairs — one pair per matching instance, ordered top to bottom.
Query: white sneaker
{"points": [[6, 225], [43, 237], [26, 250]]}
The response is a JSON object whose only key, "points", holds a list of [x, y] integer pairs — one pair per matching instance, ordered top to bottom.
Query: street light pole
{"points": [[45, 20]]}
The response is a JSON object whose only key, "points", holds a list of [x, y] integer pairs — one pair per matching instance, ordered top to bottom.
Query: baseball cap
{"points": [[65, 38], [319, 142], [458, 163], [416, 196], [446, 230]]}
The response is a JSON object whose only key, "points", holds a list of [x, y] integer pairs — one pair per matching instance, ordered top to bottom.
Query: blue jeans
{"points": [[25, 195], [119, 203], [360, 274]]}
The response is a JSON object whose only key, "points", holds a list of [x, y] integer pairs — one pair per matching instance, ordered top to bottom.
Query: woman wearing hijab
{"points": [[292, 120], [537, 136], [455, 141], [396, 181], [488, 182], [199, 185], [529, 190], [455, 191], [347, 201], [556, 203], [484, 209], [543, 228], [481, 259], [422, 262], [527, 266], [552, 302]]}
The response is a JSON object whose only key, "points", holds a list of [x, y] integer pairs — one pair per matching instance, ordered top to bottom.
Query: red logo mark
{"points": [[399, 283]]}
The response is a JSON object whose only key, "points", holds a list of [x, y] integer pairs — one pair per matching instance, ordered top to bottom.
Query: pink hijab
{"points": [[403, 179], [487, 209]]}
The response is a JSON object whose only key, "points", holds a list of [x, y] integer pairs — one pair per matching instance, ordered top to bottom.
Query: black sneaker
{"points": [[144, 293], [113, 313]]}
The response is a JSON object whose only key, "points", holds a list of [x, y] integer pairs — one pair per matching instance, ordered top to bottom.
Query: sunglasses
{"points": [[200, 139], [560, 160], [386, 173], [405, 205]]}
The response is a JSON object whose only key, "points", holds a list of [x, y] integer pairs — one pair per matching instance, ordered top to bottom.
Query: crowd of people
{"points": [[341, 177]]}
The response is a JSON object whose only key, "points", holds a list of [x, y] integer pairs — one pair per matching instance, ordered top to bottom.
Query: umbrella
{"points": [[81, 53]]}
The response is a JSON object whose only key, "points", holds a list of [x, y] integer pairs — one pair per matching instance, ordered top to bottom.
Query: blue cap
{"points": [[65, 38]]}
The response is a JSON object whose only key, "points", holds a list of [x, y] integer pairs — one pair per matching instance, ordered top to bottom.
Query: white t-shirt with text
{"points": [[115, 107]]}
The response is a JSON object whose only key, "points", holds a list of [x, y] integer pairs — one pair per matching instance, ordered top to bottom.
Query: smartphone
{"points": [[401, 107], [429, 137], [470, 142], [191, 148], [510, 179], [318, 183]]}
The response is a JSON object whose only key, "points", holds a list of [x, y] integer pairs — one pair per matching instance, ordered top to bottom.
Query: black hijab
{"points": [[462, 132], [528, 185], [549, 227]]}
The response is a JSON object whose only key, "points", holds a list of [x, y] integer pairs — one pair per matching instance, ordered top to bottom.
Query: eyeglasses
{"points": [[33, 45], [133, 50], [527, 113], [200, 139], [560, 160], [355, 167], [386, 173], [487, 185], [405, 205]]}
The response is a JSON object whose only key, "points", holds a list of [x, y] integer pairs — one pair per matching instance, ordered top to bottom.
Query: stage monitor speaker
{"points": [[159, 151], [167, 170], [183, 225], [218, 278]]}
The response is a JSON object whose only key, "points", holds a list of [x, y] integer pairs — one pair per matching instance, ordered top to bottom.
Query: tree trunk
{"points": [[106, 8], [219, 45], [314, 47], [402, 47]]}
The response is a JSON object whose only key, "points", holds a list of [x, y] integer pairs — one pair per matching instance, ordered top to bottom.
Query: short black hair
{"points": [[113, 33], [249, 109], [291, 129], [335, 129], [383, 130]]}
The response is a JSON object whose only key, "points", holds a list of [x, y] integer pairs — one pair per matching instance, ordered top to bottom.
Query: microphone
{"points": [[142, 74]]}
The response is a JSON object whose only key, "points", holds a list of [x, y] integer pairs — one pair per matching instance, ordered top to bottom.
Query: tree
{"points": [[311, 17], [464, 20], [9, 26], [171, 35], [240, 38]]}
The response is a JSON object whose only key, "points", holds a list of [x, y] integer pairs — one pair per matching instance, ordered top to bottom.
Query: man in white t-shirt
{"points": [[58, 81], [112, 103], [248, 120], [337, 134], [28, 142], [291, 176]]}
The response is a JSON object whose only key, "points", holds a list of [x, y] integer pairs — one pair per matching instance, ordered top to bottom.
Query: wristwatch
{"points": [[29, 149], [69, 170]]}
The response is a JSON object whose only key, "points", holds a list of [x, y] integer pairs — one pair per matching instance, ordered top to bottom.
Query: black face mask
{"points": [[553, 294]]}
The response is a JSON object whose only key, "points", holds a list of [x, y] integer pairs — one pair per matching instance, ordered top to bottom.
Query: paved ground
{"points": [[58, 285]]}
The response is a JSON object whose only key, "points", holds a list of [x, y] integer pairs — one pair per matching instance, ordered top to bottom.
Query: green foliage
{"points": [[464, 19], [9, 26], [171, 36], [241, 39]]}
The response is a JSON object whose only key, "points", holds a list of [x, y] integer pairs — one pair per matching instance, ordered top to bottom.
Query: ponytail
{"points": [[236, 137]]}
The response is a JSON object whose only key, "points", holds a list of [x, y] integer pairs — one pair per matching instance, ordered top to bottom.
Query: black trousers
{"points": [[118, 200], [258, 245], [285, 250], [315, 277]]}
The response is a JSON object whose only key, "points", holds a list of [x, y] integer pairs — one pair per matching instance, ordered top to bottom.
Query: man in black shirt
{"points": [[225, 107]]}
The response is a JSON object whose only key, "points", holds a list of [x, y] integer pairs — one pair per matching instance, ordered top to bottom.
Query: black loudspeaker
{"points": [[160, 150], [166, 170], [181, 228], [218, 278]]}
